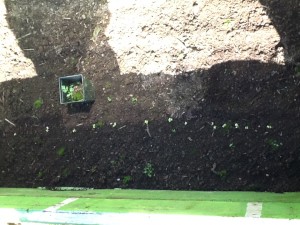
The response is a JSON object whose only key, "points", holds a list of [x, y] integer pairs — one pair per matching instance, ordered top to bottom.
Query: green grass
{"points": [[291, 197], [28, 202], [275, 205], [159, 206], [281, 210]]}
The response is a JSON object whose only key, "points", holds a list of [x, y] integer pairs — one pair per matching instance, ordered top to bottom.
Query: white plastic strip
{"points": [[61, 204], [254, 209], [82, 218], [148, 219]]}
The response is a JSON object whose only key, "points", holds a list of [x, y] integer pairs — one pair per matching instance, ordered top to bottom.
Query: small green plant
{"points": [[227, 21], [228, 24], [96, 33], [107, 85], [73, 92], [109, 99], [134, 100], [38, 103], [170, 119], [98, 124], [228, 126], [269, 126], [173, 130], [274, 144], [231, 145], [61, 151], [93, 169], [149, 170], [222, 174], [40, 175], [127, 179]]}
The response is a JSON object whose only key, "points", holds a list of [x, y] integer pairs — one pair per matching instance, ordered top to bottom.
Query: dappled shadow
{"points": [[231, 127]]}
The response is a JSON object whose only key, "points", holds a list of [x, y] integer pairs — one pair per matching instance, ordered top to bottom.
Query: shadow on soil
{"points": [[285, 16], [232, 127]]}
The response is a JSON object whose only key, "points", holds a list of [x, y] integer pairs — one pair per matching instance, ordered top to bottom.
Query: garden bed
{"points": [[229, 125]]}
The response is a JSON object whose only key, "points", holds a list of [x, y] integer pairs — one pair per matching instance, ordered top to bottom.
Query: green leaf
{"points": [[96, 33], [64, 88], [71, 88], [38, 103]]}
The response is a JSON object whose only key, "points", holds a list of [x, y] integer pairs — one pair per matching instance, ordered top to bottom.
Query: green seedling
{"points": [[227, 21], [96, 32], [107, 85], [73, 92], [109, 99], [134, 100], [38, 103], [170, 119], [146, 122], [98, 124], [227, 126], [269, 126], [174, 130], [274, 144], [61, 151], [93, 169], [149, 170], [222, 174], [40, 175], [127, 179]]}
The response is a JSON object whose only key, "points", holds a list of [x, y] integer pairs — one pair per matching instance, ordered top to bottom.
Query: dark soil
{"points": [[234, 126]]}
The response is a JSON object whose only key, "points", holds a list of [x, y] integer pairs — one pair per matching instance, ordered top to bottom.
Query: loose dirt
{"points": [[200, 95]]}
